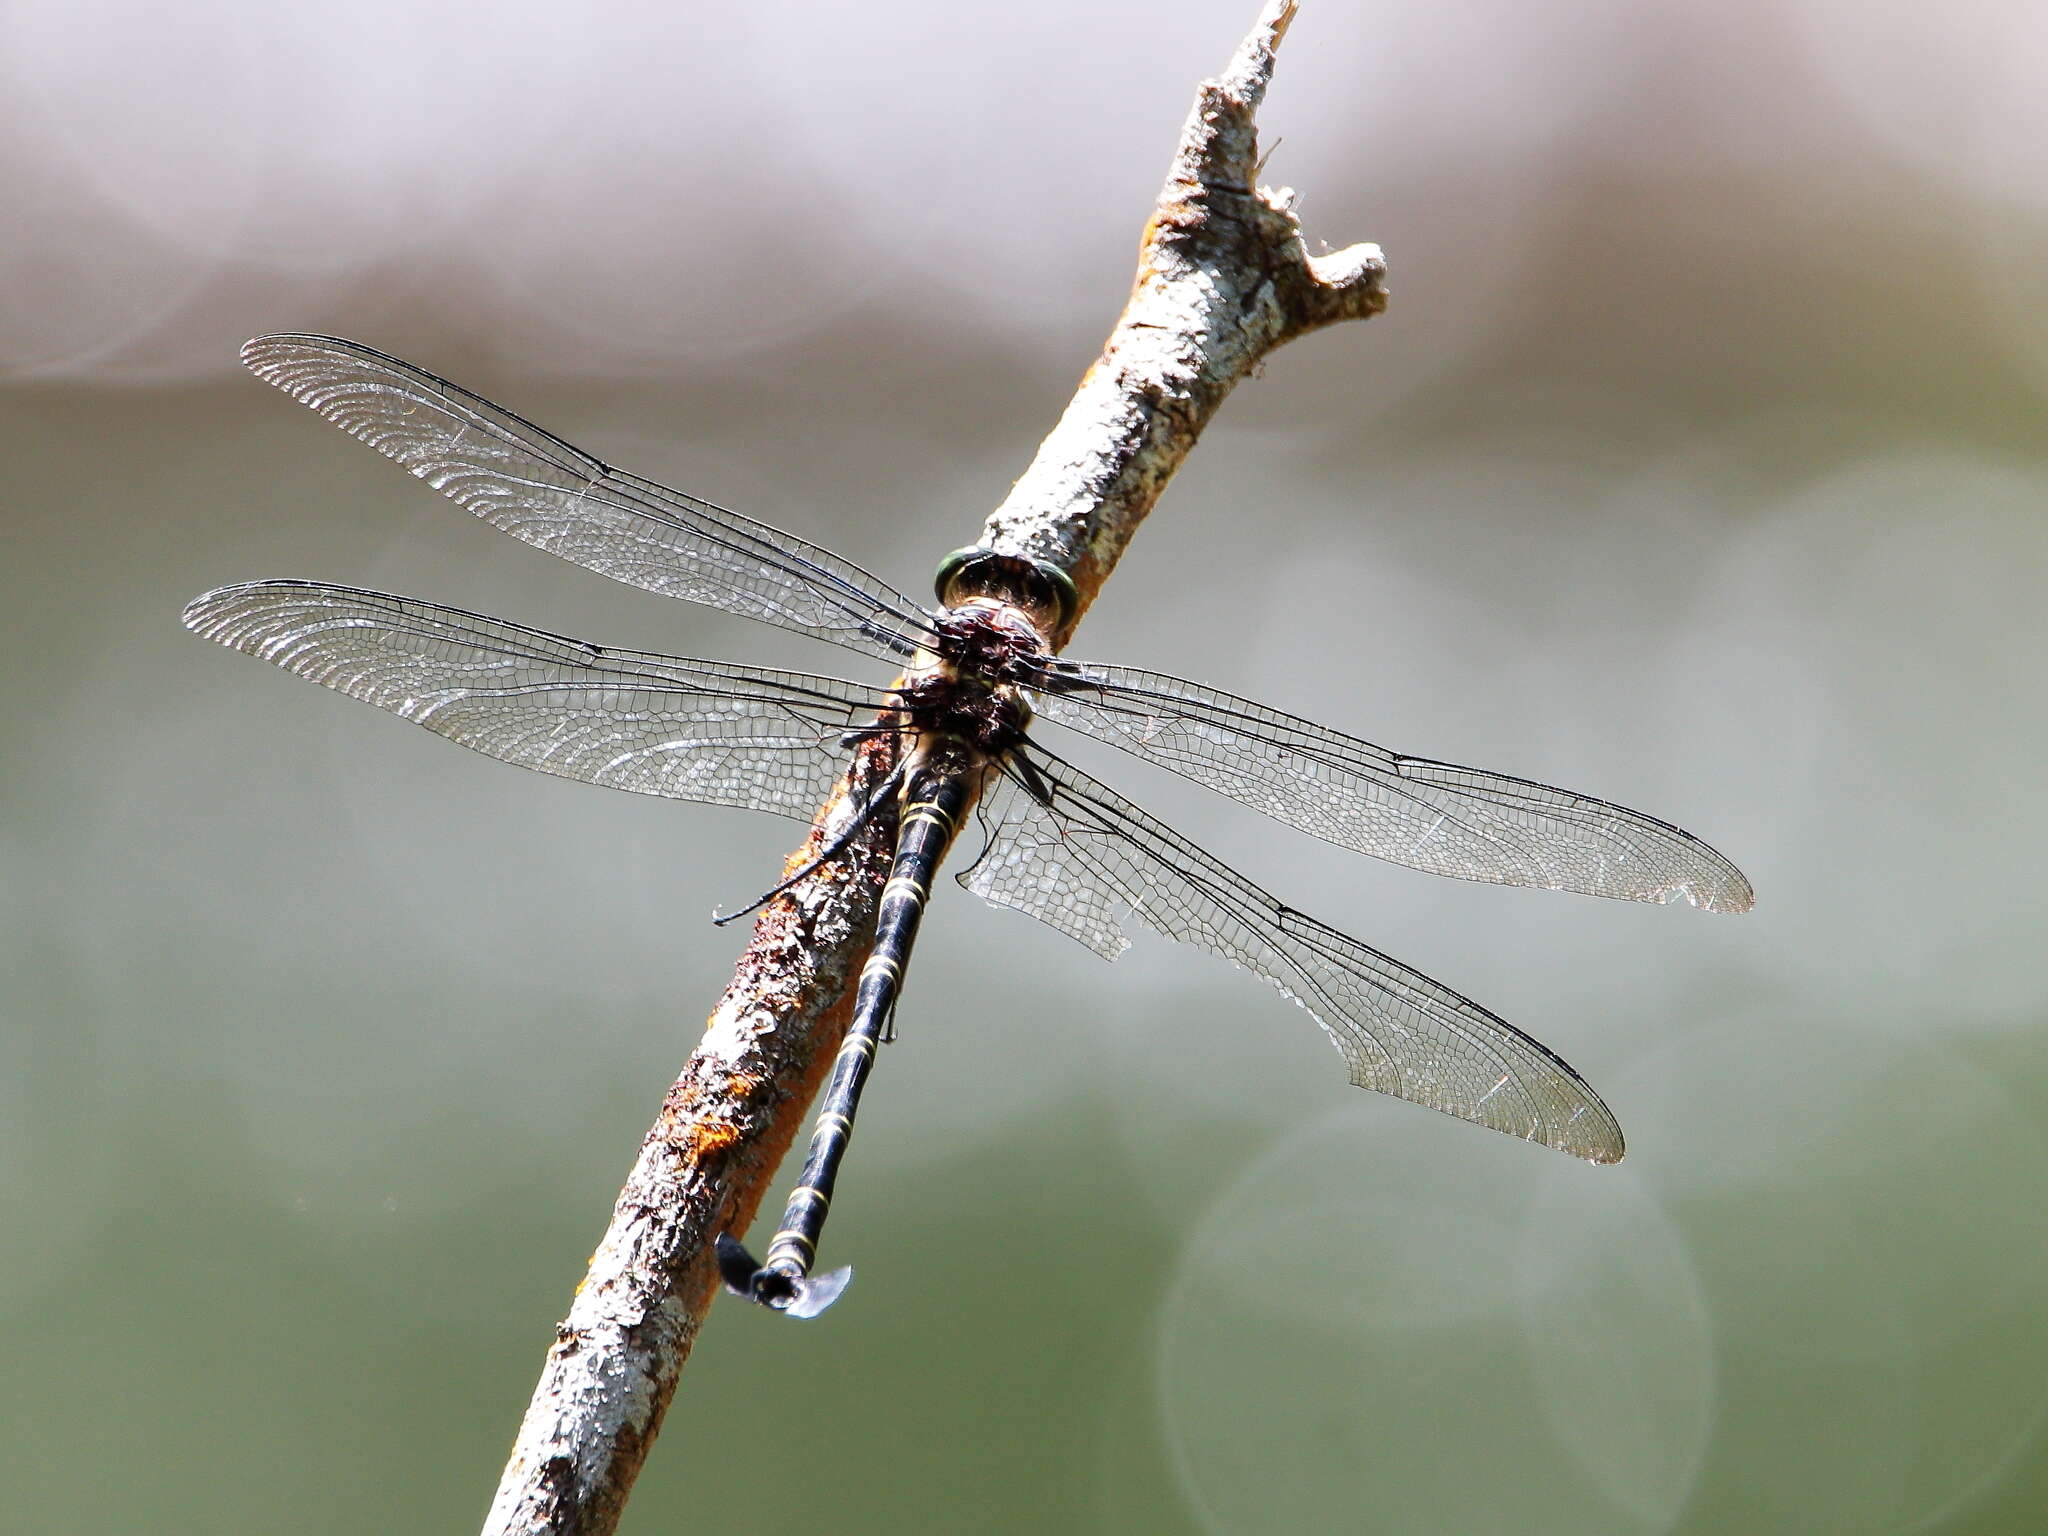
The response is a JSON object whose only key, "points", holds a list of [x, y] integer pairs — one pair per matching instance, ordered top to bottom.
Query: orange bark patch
{"points": [[708, 1138]]}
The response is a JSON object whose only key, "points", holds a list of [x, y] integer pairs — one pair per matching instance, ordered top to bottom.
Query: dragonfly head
{"points": [[1044, 591]]}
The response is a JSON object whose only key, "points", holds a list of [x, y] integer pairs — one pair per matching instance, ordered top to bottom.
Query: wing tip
{"points": [[261, 354], [273, 355], [202, 615], [1731, 894], [1590, 1132], [1596, 1140]]}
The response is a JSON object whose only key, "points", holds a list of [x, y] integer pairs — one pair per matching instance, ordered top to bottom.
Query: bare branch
{"points": [[1223, 279], [710, 1156]]}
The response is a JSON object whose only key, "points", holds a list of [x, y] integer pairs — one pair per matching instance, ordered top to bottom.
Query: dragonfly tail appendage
{"points": [[776, 1288]]}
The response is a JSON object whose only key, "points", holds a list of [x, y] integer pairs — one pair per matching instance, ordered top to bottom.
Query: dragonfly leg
{"points": [[868, 806]]}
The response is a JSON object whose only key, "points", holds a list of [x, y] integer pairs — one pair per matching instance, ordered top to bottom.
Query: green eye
{"points": [[951, 567], [979, 572]]}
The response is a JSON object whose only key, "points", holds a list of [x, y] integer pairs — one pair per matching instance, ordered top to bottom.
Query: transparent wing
{"points": [[536, 487], [657, 725], [1437, 817], [1090, 859]]}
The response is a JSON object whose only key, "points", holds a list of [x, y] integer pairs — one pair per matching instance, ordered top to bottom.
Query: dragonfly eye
{"points": [[1030, 584]]}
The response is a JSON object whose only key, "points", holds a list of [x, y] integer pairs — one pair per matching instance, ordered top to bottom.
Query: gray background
{"points": [[1697, 464]]}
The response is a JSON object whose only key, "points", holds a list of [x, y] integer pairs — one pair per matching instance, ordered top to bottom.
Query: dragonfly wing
{"points": [[534, 486], [657, 725], [1436, 817], [1090, 859]]}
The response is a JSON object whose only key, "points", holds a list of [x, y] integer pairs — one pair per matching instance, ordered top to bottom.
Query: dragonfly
{"points": [[977, 676]]}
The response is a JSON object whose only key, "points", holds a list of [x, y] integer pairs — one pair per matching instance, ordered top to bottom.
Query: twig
{"points": [[1223, 279]]}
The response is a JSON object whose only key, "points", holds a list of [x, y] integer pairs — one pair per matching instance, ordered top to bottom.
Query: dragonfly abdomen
{"points": [[938, 793]]}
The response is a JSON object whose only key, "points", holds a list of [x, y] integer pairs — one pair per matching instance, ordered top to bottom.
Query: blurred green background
{"points": [[1697, 464]]}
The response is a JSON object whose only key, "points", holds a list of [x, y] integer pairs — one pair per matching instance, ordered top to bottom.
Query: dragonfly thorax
{"points": [[990, 639], [965, 710]]}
